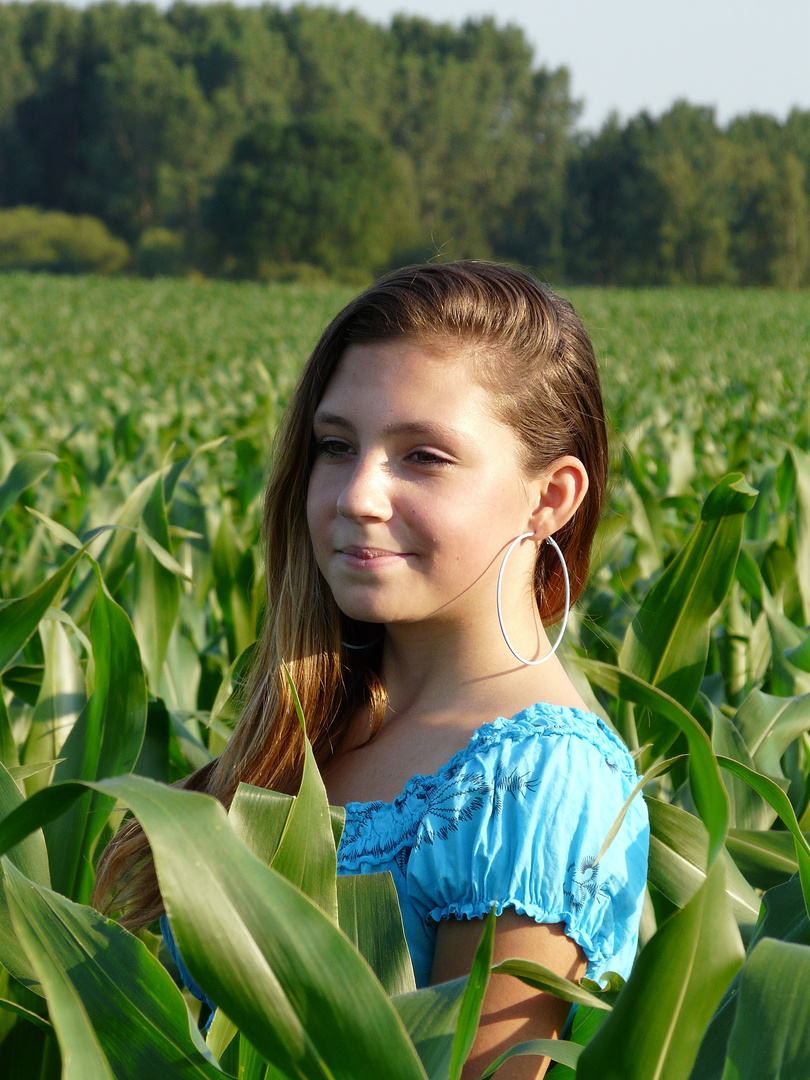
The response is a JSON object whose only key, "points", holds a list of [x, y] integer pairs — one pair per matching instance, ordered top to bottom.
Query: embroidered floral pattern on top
{"points": [[511, 783], [431, 807], [430, 811], [378, 830], [583, 883]]}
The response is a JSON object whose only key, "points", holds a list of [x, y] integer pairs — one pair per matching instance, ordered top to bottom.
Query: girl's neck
{"points": [[462, 678], [441, 688]]}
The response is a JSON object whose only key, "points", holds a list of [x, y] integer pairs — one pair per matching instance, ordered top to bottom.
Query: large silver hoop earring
{"points": [[555, 646]]}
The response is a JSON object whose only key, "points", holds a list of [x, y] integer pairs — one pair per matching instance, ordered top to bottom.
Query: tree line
{"points": [[270, 142]]}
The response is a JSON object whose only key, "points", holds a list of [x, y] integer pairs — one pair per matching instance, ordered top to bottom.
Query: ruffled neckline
{"points": [[537, 719], [378, 832]]}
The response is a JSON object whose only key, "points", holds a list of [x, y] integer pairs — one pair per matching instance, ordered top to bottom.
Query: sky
{"points": [[739, 56]]}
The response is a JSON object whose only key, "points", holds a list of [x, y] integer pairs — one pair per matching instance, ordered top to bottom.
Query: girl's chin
{"points": [[370, 613], [370, 616]]}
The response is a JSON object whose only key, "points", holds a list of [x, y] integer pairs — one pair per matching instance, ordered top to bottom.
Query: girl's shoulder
{"points": [[542, 724], [526, 760], [520, 819]]}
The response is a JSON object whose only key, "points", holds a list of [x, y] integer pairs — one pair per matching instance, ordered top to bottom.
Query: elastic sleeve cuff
{"points": [[479, 909]]}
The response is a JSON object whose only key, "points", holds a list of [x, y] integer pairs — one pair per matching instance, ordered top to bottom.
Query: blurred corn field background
{"points": [[135, 423]]}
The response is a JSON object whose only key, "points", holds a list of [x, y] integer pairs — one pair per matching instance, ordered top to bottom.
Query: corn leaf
{"points": [[24, 473], [156, 589], [19, 618], [667, 642], [62, 696], [768, 725], [104, 741], [707, 787], [774, 795], [306, 853], [30, 856], [765, 859], [677, 863], [369, 916], [258, 947], [542, 978], [677, 982], [473, 1000], [115, 1008], [430, 1016], [769, 1037], [567, 1053]]}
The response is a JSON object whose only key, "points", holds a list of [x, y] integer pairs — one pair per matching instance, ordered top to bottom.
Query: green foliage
{"points": [[133, 115], [137, 115], [333, 195], [678, 200], [32, 239], [159, 252], [125, 629], [70, 947], [763, 1005]]}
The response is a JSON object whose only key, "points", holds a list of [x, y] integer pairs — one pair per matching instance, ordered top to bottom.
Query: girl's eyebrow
{"points": [[329, 419], [404, 427]]}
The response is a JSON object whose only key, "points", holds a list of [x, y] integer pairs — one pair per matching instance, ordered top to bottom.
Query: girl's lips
{"points": [[367, 552], [367, 557]]}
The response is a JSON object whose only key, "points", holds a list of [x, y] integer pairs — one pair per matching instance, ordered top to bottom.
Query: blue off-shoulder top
{"points": [[515, 819]]}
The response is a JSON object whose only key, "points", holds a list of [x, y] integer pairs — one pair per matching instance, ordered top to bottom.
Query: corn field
{"points": [[134, 429]]}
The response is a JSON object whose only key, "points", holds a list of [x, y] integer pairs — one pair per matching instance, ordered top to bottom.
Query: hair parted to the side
{"points": [[529, 348]]}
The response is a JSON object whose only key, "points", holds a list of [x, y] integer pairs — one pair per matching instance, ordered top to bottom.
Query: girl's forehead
{"points": [[391, 366], [401, 380], [403, 388]]}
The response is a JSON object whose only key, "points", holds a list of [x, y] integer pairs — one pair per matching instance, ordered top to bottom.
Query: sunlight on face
{"points": [[416, 488]]}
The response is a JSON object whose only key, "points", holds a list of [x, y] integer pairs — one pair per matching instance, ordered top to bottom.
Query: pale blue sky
{"points": [[738, 55]]}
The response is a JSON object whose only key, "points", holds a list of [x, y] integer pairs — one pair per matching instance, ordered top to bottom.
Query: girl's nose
{"points": [[365, 493]]}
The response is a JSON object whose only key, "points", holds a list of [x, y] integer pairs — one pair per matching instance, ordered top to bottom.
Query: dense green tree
{"points": [[344, 64], [243, 67], [16, 78], [16, 83], [133, 115], [149, 121], [484, 130], [796, 135], [39, 151], [692, 164], [772, 189], [335, 196], [771, 199], [670, 200], [614, 207], [791, 217], [530, 226], [752, 238]]}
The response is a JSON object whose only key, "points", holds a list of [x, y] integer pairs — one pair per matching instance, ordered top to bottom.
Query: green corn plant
{"points": [[694, 636]]}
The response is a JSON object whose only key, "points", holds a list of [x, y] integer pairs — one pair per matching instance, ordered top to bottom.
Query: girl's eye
{"points": [[332, 448], [427, 457]]}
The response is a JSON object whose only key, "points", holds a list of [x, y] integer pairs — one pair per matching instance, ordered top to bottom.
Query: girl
{"points": [[437, 480]]}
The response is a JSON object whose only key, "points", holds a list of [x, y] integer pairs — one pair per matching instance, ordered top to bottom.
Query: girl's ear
{"points": [[559, 493]]}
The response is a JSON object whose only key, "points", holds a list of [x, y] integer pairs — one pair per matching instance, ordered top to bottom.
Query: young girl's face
{"points": [[416, 487]]}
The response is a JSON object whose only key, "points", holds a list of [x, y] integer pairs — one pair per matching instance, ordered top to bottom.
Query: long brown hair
{"points": [[530, 349]]}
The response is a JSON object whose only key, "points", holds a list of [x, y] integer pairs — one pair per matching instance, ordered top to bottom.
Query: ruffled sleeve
{"points": [[520, 823]]}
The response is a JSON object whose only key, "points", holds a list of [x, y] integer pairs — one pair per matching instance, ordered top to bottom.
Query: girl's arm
{"points": [[512, 1012]]}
